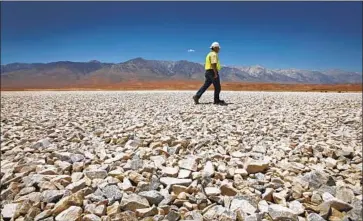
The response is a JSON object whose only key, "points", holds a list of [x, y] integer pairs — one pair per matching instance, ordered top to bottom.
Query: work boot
{"points": [[196, 99], [220, 102]]}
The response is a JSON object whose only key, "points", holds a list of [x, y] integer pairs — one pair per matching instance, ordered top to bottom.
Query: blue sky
{"points": [[307, 35]]}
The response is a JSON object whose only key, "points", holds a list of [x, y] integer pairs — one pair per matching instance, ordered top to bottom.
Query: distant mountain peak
{"points": [[136, 59], [95, 61], [258, 66]]}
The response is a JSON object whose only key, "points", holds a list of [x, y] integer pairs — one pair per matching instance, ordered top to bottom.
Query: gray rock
{"points": [[42, 144], [63, 156], [77, 158], [136, 164], [96, 174], [315, 179], [32, 180], [155, 183], [327, 189], [112, 192], [51, 196], [153, 196], [95, 198], [357, 211], [172, 216]]}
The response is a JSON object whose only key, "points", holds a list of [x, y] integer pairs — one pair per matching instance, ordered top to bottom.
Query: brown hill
{"points": [[195, 85]]}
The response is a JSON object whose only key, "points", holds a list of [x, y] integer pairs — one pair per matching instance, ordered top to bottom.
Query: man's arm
{"points": [[214, 60]]}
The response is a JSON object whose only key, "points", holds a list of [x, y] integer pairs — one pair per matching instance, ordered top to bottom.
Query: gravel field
{"points": [[111, 155]]}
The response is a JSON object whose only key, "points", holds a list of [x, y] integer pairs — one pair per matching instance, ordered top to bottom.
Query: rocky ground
{"points": [[156, 156]]}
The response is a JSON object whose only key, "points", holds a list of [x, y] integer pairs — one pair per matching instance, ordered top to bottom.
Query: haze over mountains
{"points": [[66, 73]]}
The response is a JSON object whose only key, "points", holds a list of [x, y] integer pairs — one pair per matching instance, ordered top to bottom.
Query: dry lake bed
{"points": [[154, 155]]}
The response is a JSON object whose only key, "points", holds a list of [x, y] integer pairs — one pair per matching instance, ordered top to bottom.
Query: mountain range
{"points": [[67, 73]]}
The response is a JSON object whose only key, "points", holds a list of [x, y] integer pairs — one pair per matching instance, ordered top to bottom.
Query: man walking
{"points": [[212, 68]]}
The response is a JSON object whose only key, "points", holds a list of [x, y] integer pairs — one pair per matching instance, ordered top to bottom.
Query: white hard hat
{"points": [[214, 45]]}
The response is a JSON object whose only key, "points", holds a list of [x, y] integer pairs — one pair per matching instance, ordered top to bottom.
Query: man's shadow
{"points": [[208, 103]]}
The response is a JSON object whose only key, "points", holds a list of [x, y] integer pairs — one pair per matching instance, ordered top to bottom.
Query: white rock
{"points": [[330, 162], [190, 163], [208, 169], [171, 171], [184, 174], [169, 181], [212, 191], [244, 205], [263, 206], [297, 207], [9, 210], [73, 213]]}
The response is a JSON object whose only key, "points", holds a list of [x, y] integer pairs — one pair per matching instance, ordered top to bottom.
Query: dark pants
{"points": [[209, 79]]}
